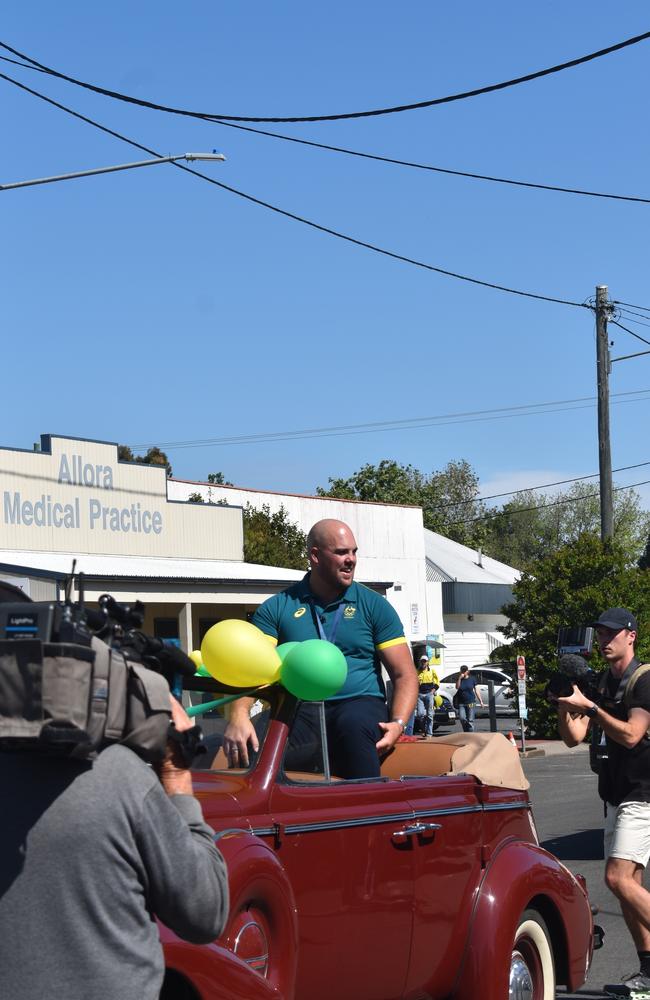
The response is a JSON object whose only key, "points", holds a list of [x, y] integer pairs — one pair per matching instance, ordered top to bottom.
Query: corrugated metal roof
{"points": [[456, 562], [130, 567]]}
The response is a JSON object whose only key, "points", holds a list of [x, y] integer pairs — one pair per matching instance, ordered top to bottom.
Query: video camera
{"points": [[574, 643], [74, 680]]}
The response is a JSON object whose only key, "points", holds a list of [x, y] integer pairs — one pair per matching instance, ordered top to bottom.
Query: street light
{"points": [[120, 166]]}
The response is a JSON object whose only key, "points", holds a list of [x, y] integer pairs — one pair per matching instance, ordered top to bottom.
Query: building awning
{"points": [[147, 569], [223, 573]]}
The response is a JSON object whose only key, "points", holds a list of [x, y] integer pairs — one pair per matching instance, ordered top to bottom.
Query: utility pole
{"points": [[603, 366]]}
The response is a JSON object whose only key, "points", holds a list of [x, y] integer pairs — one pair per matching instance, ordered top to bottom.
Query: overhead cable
{"points": [[464, 95], [407, 163], [434, 169], [301, 219], [617, 302], [642, 320], [631, 332], [413, 423], [533, 489], [541, 506]]}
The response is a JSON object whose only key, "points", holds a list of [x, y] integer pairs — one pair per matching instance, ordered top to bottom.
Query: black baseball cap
{"points": [[617, 618]]}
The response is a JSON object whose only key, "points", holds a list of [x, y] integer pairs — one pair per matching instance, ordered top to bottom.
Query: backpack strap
{"points": [[640, 670]]}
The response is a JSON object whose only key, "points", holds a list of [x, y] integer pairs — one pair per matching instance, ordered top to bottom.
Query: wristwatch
{"points": [[592, 712], [401, 722]]}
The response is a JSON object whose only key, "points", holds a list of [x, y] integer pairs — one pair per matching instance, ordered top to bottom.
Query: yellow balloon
{"points": [[239, 654], [196, 658], [437, 700]]}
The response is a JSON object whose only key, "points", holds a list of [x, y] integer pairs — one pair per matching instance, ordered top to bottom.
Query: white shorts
{"points": [[627, 831]]}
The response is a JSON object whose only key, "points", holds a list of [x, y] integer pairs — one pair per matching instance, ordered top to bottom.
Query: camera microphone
{"points": [[572, 665]]}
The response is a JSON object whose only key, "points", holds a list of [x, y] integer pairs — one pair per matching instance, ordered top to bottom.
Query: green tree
{"points": [[154, 456], [218, 479], [448, 497], [533, 525], [269, 539], [272, 539], [570, 586]]}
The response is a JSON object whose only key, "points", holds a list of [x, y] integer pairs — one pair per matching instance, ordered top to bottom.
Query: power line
{"points": [[538, 74], [405, 163], [430, 167], [301, 219], [617, 302], [644, 320], [631, 332], [413, 423], [533, 489], [542, 506]]}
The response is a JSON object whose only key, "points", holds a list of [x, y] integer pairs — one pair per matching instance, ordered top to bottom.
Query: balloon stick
{"points": [[207, 706]]}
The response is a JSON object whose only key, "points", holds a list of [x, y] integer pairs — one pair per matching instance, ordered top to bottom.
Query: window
{"points": [[165, 628], [214, 727]]}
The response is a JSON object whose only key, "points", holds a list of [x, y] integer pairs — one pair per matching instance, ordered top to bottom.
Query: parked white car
{"points": [[504, 688]]}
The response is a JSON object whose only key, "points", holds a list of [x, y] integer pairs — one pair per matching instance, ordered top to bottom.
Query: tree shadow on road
{"points": [[587, 845]]}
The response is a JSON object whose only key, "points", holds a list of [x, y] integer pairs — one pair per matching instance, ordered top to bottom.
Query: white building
{"points": [[134, 534], [390, 539], [465, 593]]}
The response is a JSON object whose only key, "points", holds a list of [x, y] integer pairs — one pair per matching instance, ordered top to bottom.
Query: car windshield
{"points": [[213, 724]]}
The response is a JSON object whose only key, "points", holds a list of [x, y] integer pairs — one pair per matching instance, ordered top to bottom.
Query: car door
{"points": [[448, 857], [350, 860]]}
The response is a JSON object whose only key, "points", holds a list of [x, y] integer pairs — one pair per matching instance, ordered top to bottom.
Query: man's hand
{"points": [[576, 702], [392, 732], [239, 733], [175, 776]]}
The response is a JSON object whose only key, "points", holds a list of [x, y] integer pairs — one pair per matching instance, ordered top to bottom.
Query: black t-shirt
{"points": [[625, 775]]}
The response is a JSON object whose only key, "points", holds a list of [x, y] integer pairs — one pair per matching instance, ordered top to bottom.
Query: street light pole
{"points": [[109, 170], [603, 365]]}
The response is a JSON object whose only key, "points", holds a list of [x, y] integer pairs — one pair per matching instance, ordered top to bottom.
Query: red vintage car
{"points": [[424, 884]]}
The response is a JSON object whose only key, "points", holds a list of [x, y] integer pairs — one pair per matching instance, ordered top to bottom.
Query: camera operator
{"points": [[624, 775], [90, 853]]}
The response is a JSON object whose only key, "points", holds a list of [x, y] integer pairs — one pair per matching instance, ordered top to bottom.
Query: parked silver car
{"points": [[504, 690]]}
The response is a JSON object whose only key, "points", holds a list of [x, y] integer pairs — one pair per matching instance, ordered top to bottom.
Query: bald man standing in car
{"points": [[328, 604]]}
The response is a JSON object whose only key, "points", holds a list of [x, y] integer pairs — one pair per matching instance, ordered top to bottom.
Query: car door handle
{"points": [[415, 829]]}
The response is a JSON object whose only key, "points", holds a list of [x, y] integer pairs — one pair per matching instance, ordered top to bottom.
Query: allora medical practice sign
{"points": [[75, 496]]}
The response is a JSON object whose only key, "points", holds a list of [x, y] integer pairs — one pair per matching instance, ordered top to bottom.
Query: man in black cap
{"points": [[621, 721]]}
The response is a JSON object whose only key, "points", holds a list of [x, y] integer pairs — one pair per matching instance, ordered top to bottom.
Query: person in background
{"points": [[428, 684], [467, 694], [621, 719]]}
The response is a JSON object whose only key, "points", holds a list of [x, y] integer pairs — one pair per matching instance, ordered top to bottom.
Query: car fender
{"points": [[522, 875], [256, 954], [214, 973]]}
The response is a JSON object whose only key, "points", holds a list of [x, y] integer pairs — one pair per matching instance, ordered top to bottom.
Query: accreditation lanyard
{"points": [[334, 626]]}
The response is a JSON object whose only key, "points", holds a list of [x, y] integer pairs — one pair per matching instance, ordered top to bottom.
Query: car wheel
{"points": [[532, 972]]}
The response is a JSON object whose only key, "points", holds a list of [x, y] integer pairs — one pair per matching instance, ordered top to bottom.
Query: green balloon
{"points": [[285, 648], [314, 670], [202, 672]]}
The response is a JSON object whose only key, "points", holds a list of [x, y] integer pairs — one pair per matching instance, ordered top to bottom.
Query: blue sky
{"points": [[150, 307]]}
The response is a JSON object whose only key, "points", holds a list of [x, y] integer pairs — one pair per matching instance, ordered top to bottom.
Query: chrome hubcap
{"points": [[521, 980]]}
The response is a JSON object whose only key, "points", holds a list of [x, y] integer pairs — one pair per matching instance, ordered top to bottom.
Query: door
{"points": [[448, 856], [351, 869]]}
